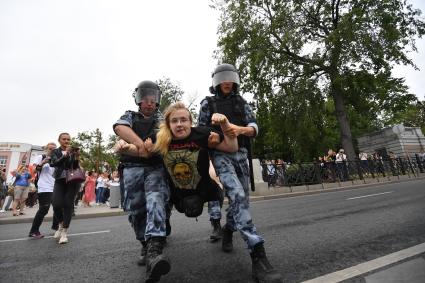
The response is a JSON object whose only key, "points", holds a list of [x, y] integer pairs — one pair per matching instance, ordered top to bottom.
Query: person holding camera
{"points": [[64, 158], [45, 183], [20, 193]]}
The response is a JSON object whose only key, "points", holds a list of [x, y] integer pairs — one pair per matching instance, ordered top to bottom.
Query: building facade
{"points": [[402, 141], [13, 154]]}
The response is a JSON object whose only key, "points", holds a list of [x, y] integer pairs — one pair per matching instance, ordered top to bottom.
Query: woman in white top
{"points": [[102, 183], [45, 185]]}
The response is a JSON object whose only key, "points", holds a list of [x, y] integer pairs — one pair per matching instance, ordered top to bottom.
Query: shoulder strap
{"points": [[212, 104], [239, 104]]}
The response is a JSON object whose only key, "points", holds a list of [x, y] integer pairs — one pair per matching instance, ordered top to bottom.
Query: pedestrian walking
{"points": [[64, 158], [233, 169], [45, 184], [146, 191]]}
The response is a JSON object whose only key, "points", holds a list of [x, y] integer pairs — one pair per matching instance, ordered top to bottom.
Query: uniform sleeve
{"points": [[204, 117], [159, 118], [126, 120], [251, 121]]}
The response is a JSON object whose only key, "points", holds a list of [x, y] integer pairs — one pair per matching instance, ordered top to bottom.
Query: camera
{"points": [[74, 148]]}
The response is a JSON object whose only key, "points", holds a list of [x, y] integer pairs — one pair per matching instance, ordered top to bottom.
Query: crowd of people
{"points": [[167, 162], [335, 166], [170, 167], [47, 175]]}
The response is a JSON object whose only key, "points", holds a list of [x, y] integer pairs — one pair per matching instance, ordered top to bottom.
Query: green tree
{"points": [[334, 45], [171, 93], [412, 116], [95, 151]]}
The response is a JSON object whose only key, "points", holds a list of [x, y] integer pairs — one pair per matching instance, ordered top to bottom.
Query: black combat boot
{"points": [[167, 227], [217, 233], [227, 242], [142, 258], [157, 264], [262, 270]]}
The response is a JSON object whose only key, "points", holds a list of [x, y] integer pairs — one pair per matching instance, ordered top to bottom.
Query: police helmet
{"points": [[225, 73], [147, 88]]}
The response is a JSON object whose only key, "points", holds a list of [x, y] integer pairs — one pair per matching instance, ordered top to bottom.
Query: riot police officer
{"points": [[233, 169], [146, 191]]}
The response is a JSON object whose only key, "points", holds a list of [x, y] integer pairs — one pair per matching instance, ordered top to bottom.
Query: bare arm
{"points": [[235, 131], [128, 135], [230, 143], [124, 147]]}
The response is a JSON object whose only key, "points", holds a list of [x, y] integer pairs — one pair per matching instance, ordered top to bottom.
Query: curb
{"points": [[329, 190], [251, 199], [50, 218]]}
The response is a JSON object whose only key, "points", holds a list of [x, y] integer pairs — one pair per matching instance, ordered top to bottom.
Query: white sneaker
{"points": [[2, 211], [57, 234], [64, 238]]}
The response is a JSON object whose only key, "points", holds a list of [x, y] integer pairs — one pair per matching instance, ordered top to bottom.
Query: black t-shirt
{"points": [[187, 161]]}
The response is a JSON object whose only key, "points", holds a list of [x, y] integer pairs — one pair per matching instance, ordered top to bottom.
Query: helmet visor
{"points": [[225, 76], [147, 95]]}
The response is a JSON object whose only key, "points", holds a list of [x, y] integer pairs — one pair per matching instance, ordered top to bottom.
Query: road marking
{"points": [[366, 196], [48, 237], [368, 266]]}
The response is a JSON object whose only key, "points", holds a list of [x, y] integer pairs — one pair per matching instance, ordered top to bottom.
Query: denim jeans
{"points": [[100, 195]]}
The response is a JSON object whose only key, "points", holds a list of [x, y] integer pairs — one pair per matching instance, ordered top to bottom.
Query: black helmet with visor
{"points": [[147, 90]]}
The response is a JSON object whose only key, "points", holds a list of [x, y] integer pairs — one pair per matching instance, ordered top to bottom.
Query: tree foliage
{"points": [[316, 66], [171, 93], [411, 116], [95, 152]]}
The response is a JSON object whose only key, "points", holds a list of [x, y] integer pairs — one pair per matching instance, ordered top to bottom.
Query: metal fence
{"points": [[328, 172]]}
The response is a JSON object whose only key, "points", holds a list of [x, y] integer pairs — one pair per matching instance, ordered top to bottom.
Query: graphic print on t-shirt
{"points": [[182, 167]]}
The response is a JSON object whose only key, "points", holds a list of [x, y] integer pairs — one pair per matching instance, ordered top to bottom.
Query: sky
{"points": [[71, 66]]}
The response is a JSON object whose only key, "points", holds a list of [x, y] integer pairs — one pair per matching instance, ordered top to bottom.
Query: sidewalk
{"points": [[274, 193], [80, 213]]}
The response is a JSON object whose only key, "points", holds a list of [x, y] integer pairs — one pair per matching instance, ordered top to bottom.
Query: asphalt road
{"points": [[306, 237]]}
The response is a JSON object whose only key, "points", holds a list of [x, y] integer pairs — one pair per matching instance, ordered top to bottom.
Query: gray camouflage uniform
{"points": [[233, 171], [146, 191]]}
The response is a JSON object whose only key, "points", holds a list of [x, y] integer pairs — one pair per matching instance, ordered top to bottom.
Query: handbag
{"points": [[76, 175], [10, 190]]}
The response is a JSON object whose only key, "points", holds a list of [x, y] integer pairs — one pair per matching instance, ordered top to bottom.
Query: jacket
{"points": [[62, 163]]}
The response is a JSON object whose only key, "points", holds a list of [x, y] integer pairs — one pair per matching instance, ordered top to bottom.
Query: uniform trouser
{"points": [[233, 171], [146, 196], [44, 201], [63, 201], [214, 209]]}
